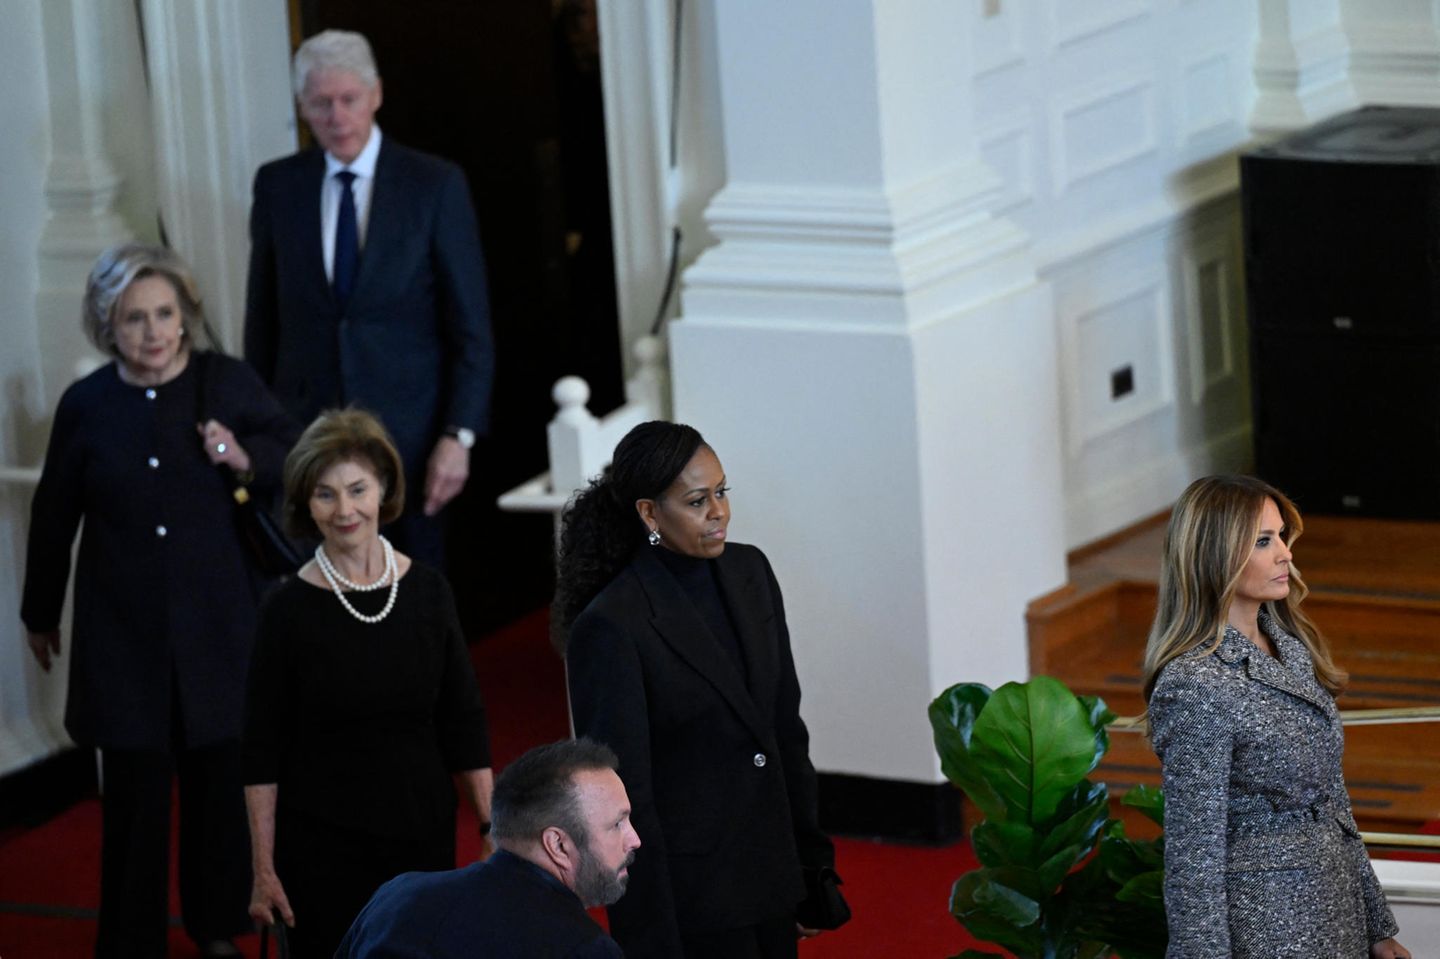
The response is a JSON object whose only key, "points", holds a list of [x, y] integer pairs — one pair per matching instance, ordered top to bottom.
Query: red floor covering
{"points": [[898, 893]]}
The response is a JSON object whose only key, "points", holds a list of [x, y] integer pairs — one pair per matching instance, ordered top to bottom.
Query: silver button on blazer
{"points": [[1262, 855]]}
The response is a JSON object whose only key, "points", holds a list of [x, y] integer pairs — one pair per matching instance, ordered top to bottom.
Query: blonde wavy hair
{"points": [[1207, 544]]}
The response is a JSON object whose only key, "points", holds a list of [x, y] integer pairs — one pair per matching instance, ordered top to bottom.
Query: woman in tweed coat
{"points": [[1262, 855]]}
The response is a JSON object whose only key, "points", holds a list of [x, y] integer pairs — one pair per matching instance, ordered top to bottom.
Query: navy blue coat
{"points": [[413, 342], [165, 600], [503, 908]]}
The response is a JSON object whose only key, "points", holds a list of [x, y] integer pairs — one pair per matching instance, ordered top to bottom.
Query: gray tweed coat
{"points": [[1262, 855]]}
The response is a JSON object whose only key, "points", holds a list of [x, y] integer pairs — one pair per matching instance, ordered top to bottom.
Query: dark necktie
{"points": [[347, 240]]}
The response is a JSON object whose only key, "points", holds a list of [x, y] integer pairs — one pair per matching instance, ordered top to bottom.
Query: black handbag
{"points": [[267, 547], [823, 907]]}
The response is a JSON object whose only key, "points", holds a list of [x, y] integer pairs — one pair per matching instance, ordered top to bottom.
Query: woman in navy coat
{"points": [[164, 597], [679, 659], [1262, 855]]}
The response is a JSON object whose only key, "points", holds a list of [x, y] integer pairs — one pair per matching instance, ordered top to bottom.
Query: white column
{"points": [[1394, 51], [1301, 63], [213, 130], [80, 188], [870, 353]]}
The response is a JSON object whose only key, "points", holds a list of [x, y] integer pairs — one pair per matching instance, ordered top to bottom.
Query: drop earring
{"points": [[654, 538]]}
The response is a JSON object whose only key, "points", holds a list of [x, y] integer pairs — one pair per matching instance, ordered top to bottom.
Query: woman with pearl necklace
{"points": [[362, 705]]}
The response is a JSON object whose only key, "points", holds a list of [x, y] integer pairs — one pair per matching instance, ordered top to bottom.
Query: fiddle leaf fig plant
{"points": [[1058, 879]]}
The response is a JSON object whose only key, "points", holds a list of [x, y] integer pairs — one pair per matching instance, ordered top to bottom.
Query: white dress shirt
{"points": [[361, 186]]}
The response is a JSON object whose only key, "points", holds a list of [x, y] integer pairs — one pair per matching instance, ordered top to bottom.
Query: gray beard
{"points": [[597, 886]]}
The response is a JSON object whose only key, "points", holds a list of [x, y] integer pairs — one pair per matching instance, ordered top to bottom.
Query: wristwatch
{"points": [[466, 438]]}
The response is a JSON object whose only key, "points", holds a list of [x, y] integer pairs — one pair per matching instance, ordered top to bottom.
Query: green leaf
{"points": [[1100, 717], [952, 719], [1033, 742], [1149, 800], [1078, 819], [1005, 844], [1054, 870], [1147, 887], [994, 905]]}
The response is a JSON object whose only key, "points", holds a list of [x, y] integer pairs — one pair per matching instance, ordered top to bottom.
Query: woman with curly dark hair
{"points": [[679, 659]]}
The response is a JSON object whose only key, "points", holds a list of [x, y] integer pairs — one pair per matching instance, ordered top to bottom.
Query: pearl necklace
{"points": [[390, 577]]}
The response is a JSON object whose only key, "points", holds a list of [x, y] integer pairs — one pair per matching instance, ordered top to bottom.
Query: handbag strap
{"points": [[201, 359]]}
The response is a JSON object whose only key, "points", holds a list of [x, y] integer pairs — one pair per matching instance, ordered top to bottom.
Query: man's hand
{"points": [[446, 473], [1389, 949]]}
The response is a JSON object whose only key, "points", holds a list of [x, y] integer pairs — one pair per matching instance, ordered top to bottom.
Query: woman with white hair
{"points": [[165, 600]]}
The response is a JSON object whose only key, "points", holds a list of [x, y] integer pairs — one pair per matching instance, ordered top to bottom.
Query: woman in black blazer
{"points": [[165, 600], [679, 659]]}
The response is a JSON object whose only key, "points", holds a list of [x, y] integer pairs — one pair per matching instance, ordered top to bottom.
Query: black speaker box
{"points": [[1342, 281]]}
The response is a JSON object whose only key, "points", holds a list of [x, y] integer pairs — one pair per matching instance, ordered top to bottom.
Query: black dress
{"points": [[164, 618], [360, 726]]}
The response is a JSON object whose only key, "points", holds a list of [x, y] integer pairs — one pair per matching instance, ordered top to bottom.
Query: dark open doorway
{"points": [[511, 92]]}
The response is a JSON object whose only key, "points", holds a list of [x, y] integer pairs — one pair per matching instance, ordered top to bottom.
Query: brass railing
{"points": [[1351, 717]]}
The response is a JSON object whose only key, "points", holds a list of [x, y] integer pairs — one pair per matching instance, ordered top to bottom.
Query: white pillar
{"points": [[1394, 51], [1301, 63], [212, 133], [80, 188], [870, 353]]}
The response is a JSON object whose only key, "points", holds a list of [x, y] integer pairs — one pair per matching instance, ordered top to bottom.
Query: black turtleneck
{"points": [[696, 577]]}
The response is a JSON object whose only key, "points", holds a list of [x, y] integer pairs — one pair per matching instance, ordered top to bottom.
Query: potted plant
{"points": [[1059, 879]]}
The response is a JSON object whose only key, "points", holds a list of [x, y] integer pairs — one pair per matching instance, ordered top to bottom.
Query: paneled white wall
{"points": [[1115, 127]]}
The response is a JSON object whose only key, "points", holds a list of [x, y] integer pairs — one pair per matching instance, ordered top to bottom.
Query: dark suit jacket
{"points": [[413, 343], [718, 774], [503, 908]]}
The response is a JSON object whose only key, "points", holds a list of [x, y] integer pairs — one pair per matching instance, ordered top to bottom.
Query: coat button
{"points": [[149, 394], [154, 463], [161, 531], [759, 760]]}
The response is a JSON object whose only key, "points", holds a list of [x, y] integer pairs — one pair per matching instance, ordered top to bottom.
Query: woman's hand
{"points": [[221, 446], [44, 645], [267, 896], [804, 933], [1389, 949]]}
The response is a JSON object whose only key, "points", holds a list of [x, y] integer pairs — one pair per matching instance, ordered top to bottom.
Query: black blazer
{"points": [[413, 343], [164, 597], [718, 774], [502, 908]]}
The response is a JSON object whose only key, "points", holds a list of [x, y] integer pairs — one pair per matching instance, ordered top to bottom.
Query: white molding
{"points": [[1093, 19], [996, 43], [1395, 62], [1300, 79], [1192, 131], [1066, 171], [1019, 191], [1186, 195], [858, 258], [1192, 265], [1082, 431], [1097, 512]]}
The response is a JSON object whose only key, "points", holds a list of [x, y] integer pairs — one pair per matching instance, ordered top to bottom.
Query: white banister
{"points": [[580, 443]]}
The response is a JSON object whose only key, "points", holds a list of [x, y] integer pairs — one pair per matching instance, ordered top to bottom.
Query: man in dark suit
{"points": [[367, 284], [561, 820]]}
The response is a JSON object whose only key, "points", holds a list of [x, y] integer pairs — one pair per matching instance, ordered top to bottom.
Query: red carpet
{"points": [[49, 876]]}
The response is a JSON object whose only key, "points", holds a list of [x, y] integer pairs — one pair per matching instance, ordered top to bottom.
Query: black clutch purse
{"points": [[824, 907]]}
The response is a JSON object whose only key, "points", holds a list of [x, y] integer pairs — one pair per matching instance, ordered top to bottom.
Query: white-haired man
{"points": [[367, 284]]}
